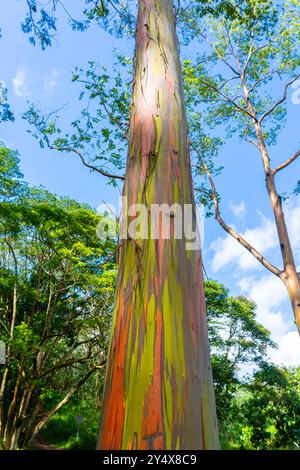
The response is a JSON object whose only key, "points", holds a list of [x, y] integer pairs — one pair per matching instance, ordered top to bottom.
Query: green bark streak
{"points": [[158, 392]]}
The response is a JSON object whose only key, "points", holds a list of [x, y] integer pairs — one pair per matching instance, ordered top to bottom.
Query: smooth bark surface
{"points": [[159, 391]]}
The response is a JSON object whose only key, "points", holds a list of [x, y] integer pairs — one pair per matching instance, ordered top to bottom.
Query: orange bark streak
{"points": [[114, 419], [152, 427]]}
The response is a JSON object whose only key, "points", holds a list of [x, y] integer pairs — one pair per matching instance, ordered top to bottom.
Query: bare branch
{"points": [[219, 55], [265, 77], [227, 81], [278, 103], [253, 143], [287, 163], [88, 165], [230, 230], [112, 254], [64, 364]]}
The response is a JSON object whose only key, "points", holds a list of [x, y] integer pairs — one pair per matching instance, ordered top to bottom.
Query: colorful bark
{"points": [[158, 391]]}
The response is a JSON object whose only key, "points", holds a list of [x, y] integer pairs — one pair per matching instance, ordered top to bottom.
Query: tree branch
{"points": [[251, 54], [219, 55], [230, 100], [278, 103], [253, 143], [88, 165], [230, 230], [112, 254]]}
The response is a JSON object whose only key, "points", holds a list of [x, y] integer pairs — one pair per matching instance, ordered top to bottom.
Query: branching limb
{"points": [[251, 54], [222, 58], [262, 79], [230, 100], [278, 103], [253, 143], [84, 162], [230, 230], [112, 254], [59, 405]]}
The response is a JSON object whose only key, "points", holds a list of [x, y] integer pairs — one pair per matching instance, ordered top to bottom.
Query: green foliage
{"points": [[5, 111], [297, 189], [237, 340], [272, 409], [259, 411], [62, 428]]}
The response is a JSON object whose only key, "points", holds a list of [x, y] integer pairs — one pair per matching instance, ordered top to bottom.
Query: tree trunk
{"points": [[292, 283], [158, 392]]}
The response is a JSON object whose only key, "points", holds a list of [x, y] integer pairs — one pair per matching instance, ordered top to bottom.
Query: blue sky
{"points": [[44, 77]]}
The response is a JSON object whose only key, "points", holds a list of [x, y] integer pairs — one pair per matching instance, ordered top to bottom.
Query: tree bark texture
{"points": [[158, 391]]}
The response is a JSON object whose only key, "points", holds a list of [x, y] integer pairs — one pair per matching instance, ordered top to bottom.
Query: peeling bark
{"points": [[289, 274], [158, 391]]}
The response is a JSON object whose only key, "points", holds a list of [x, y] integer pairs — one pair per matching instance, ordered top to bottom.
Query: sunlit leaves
{"points": [[40, 22], [100, 132]]}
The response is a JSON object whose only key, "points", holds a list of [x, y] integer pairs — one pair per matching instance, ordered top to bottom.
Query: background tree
{"points": [[55, 300], [238, 343], [272, 409]]}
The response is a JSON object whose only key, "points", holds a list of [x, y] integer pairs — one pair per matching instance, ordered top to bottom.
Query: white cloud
{"points": [[51, 81], [21, 83], [238, 209], [228, 250], [269, 293], [288, 352]]}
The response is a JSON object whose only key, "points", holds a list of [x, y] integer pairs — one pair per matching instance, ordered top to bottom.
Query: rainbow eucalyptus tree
{"points": [[158, 391]]}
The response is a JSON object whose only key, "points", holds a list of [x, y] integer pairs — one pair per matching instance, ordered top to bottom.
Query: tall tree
{"points": [[249, 57], [153, 297], [55, 303], [237, 340], [158, 392], [272, 409]]}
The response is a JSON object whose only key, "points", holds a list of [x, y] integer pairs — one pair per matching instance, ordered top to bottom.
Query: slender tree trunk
{"points": [[159, 391], [39, 426]]}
